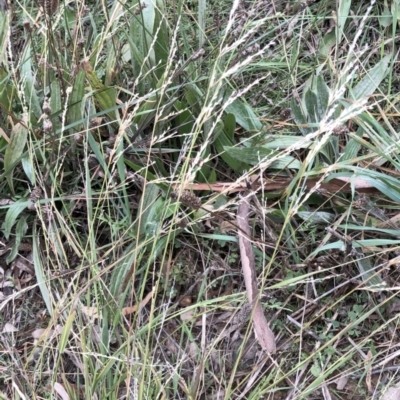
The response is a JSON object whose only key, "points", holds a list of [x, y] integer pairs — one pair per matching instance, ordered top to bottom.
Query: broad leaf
{"points": [[343, 13], [372, 79], [322, 93], [31, 96], [106, 97], [75, 100], [55, 104], [310, 104], [244, 114], [299, 117], [223, 141], [14, 150], [253, 156], [12, 214], [317, 217]]}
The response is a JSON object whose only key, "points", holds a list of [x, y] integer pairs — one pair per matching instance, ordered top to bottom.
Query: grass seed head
{"points": [[49, 6]]}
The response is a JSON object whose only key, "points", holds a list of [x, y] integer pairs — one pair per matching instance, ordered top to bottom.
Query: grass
{"points": [[129, 135]]}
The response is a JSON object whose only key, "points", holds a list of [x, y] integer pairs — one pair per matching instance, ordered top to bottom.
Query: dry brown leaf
{"points": [[4, 135], [277, 183], [358, 183], [226, 226], [23, 264], [185, 301], [132, 309], [90, 312], [187, 315], [8, 328], [262, 330], [37, 333], [46, 333], [193, 350], [342, 382], [61, 391], [326, 392], [393, 393]]}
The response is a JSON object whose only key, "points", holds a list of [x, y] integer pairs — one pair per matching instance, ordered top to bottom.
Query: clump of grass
{"points": [[127, 135]]}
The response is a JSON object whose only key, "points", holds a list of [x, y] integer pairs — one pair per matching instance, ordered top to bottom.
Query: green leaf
{"points": [[395, 8], [343, 13], [148, 15], [386, 18], [202, 22], [4, 29], [161, 40], [327, 43], [138, 52], [111, 60], [372, 79], [6, 89], [322, 92], [31, 96], [106, 97], [195, 97], [75, 101], [310, 103], [55, 105], [244, 114], [299, 117], [184, 121], [230, 126], [284, 141], [221, 142], [353, 146], [14, 150], [253, 156], [29, 170], [144, 172], [204, 172], [212, 177], [147, 209], [13, 213], [317, 217], [20, 231], [356, 244], [133, 253], [39, 274], [369, 275], [66, 332], [316, 370]]}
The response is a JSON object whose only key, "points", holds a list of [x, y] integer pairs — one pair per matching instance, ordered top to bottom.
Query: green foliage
{"points": [[110, 115], [14, 150]]}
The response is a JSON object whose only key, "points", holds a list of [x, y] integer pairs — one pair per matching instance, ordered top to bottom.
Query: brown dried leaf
{"points": [[276, 183], [132, 309], [90, 312], [187, 315], [8, 328], [262, 330], [46, 333], [342, 382], [61, 391], [393, 393]]}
